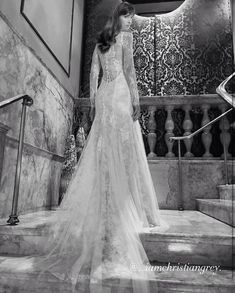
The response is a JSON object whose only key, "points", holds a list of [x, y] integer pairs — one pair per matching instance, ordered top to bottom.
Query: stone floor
{"points": [[194, 242], [16, 275]]}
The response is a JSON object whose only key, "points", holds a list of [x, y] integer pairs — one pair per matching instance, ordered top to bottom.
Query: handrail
{"points": [[223, 93], [226, 96], [15, 99], [231, 100], [27, 101], [200, 129], [180, 138]]}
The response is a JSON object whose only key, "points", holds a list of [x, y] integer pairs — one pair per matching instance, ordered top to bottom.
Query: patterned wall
{"points": [[188, 51], [144, 54]]}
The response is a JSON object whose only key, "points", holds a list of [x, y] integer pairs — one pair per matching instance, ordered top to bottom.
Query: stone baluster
{"points": [[187, 126], [169, 127], [206, 135], [225, 136], [152, 137]]}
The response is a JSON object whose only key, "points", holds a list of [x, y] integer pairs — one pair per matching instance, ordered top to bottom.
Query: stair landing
{"points": [[189, 239]]}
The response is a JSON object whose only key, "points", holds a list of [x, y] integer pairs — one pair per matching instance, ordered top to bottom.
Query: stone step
{"points": [[226, 191], [219, 209], [27, 237], [188, 237], [192, 237], [17, 275]]}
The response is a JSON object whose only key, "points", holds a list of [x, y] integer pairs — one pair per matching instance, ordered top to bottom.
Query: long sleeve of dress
{"points": [[129, 68], [94, 75]]}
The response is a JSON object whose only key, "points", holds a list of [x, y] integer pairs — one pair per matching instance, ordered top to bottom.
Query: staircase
{"points": [[221, 209], [191, 238]]}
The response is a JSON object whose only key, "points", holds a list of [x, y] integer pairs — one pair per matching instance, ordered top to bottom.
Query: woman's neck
{"points": [[124, 30]]}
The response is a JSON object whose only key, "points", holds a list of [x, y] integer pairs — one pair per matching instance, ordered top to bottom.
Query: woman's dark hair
{"points": [[107, 36]]}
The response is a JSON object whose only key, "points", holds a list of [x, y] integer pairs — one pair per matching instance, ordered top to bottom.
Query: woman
{"points": [[111, 196]]}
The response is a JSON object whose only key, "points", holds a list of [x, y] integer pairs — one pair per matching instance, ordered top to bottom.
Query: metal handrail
{"points": [[223, 93], [13, 99], [231, 100], [27, 101], [200, 129]]}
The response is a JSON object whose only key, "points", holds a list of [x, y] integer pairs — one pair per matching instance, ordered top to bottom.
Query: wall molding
{"points": [[44, 41], [24, 42]]}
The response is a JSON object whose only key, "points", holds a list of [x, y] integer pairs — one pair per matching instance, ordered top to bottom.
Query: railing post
{"points": [[169, 126], [187, 126], [206, 135], [152, 137], [225, 138], [225, 152], [180, 198], [13, 218]]}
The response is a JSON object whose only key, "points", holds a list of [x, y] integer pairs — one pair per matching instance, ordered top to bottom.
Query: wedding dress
{"points": [[94, 236]]}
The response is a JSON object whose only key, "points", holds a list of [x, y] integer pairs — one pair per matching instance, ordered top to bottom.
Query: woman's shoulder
{"points": [[126, 32], [126, 35]]}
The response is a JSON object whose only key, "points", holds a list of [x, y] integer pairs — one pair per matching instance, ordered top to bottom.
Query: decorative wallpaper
{"points": [[187, 51], [193, 51], [144, 54]]}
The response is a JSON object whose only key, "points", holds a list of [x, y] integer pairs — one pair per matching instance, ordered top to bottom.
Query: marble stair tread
{"points": [[226, 191], [219, 209], [32, 223], [190, 223], [185, 236], [27, 237], [192, 237], [17, 273]]}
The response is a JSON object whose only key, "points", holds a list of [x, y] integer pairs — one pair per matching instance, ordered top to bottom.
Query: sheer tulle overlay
{"points": [[94, 237]]}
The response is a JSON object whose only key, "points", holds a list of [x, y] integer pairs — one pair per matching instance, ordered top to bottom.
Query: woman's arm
{"points": [[129, 68], [94, 75]]}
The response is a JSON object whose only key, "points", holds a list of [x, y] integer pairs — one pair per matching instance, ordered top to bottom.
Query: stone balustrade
{"points": [[166, 116]]}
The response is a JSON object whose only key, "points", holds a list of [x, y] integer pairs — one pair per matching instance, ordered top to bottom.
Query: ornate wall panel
{"points": [[174, 40], [193, 48], [188, 51], [213, 53], [144, 54]]}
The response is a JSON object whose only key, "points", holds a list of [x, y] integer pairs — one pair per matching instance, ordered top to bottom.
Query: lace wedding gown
{"points": [[111, 197]]}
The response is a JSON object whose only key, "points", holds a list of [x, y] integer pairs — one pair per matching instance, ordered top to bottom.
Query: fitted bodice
{"points": [[119, 58], [111, 61]]}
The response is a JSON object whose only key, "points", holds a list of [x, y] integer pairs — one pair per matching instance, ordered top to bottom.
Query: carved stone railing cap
{"points": [[177, 100]]}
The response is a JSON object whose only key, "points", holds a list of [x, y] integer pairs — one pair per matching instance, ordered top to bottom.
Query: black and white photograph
{"points": [[117, 146]]}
